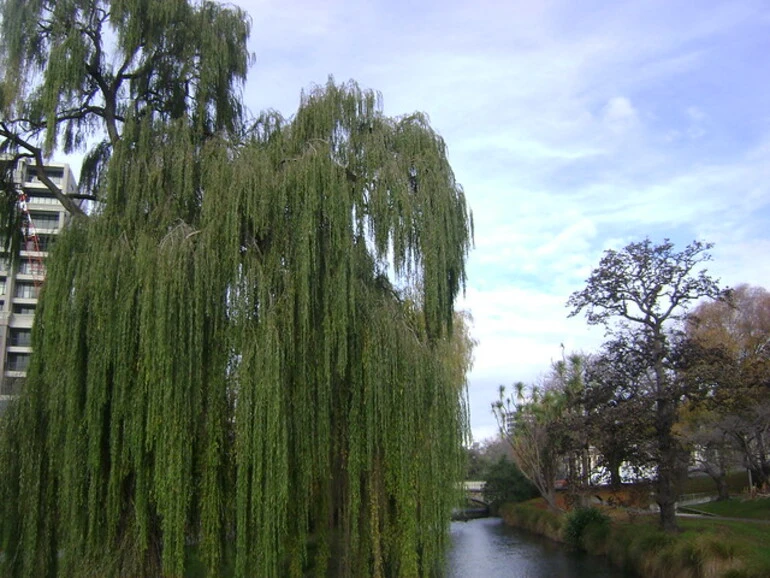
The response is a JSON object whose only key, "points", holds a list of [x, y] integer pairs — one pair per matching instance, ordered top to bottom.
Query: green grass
{"points": [[737, 482], [757, 509], [749, 540], [704, 547]]}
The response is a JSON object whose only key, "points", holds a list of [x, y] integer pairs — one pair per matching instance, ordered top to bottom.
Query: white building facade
{"points": [[43, 219]]}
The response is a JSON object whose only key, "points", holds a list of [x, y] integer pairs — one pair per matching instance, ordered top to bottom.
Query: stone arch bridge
{"points": [[474, 491]]}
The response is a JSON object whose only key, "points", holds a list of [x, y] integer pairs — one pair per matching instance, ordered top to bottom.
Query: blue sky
{"points": [[573, 127]]}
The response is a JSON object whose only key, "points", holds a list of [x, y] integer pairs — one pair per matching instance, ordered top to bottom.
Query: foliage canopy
{"points": [[75, 71], [727, 359], [504, 482]]}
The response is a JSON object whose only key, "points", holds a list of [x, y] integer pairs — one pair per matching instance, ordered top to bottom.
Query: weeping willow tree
{"points": [[251, 350]]}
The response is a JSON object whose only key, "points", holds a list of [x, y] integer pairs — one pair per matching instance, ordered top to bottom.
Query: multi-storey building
{"points": [[20, 283]]}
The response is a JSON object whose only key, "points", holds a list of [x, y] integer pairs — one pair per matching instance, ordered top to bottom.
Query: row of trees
{"points": [[251, 346], [672, 388]]}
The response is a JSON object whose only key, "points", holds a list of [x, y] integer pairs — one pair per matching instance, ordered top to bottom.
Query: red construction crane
{"points": [[31, 242]]}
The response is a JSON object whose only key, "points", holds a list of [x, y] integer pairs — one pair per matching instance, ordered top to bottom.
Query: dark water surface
{"points": [[488, 548]]}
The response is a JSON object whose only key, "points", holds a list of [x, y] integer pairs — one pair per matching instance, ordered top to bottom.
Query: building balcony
{"points": [[18, 349]]}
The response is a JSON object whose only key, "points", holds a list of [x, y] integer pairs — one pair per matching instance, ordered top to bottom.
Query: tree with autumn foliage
{"points": [[728, 358], [528, 422]]}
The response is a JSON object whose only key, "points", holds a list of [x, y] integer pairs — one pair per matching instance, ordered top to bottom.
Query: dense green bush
{"points": [[506, 483], [579, 520]]}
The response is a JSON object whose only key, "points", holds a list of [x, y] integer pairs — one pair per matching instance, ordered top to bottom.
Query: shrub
{"points": [[506, 483], [529, 516], [579, 520], [595, 538]]}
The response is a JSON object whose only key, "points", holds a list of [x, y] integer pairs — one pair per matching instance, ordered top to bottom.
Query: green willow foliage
{"points": [[74, 70], [222, 359]]}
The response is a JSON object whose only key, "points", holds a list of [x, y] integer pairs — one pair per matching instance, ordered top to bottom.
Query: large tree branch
{"points": [[143, 70], [108, 90], [35, 152]]}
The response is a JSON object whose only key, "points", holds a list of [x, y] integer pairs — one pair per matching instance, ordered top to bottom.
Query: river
{"points": [[487, 548]]}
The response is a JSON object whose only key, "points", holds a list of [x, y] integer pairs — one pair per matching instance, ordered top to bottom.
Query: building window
{"points": [[53, 173], [42, 199], [48, 221], [44, 242], [38, 243], [31, 267], [2, 286], [26, 291], [23, 309], [21, 337], [17, 361], [11, 386]]}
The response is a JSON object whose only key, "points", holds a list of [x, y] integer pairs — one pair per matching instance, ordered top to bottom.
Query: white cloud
{"points": [[619, 114], [695, 114], [575, 238]]}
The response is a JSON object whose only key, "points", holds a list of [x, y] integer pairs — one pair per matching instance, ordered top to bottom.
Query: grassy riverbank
{"points": [[757, 509], [706, 548]]}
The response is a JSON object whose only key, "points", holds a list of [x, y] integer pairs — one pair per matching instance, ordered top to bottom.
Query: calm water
{"points": [[487, 548]]}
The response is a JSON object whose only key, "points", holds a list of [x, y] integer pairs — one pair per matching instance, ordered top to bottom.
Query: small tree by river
{"points": [[527, 423], [505, 483]]}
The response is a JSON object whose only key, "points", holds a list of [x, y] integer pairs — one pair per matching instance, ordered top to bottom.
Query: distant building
{"points": [[44, 218], [510, 422]]}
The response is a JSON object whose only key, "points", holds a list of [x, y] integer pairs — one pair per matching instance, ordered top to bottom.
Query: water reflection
{"points": [[488, 548]]}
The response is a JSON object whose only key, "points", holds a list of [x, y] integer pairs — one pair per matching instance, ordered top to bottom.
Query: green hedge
{"points": [[529, 516]]}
